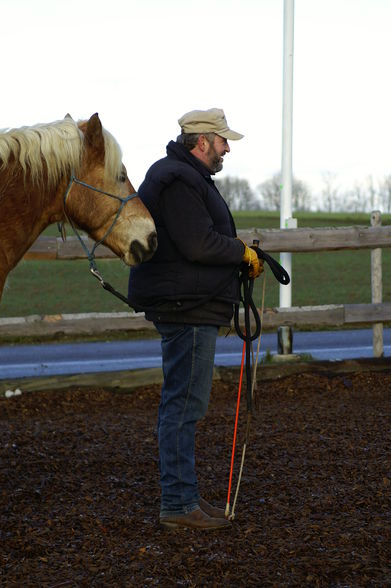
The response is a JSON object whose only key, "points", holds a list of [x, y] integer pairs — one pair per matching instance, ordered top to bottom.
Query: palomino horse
{"points": [[37, 165]]}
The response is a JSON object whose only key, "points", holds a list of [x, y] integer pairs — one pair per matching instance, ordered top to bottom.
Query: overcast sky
{"points": [[142, 64]]}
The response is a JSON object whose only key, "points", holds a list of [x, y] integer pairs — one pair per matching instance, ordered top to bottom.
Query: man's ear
{"points": [[202, 143]]}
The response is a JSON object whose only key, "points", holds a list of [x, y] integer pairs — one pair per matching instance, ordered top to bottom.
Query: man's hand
{"points": [[250, 257]]}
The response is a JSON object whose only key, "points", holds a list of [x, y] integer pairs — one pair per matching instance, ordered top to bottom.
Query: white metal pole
{"points": [[286, 220]]}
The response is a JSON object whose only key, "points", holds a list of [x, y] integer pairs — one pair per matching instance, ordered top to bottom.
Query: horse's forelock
{"points": [[113, 156]]}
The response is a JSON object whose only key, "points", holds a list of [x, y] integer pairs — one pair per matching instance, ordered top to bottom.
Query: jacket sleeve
{"points": [[191, 227]]}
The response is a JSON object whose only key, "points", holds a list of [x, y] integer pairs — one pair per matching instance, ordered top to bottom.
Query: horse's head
{"points": [[132, 235]]}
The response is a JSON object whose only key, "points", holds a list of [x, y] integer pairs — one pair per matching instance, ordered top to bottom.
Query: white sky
{"points": [[143, 63]]}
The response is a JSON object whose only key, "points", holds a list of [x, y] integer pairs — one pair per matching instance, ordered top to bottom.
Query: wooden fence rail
{"points": [[271, 240], [334, 315]]}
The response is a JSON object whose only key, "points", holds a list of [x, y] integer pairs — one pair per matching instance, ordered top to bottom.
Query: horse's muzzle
{"points": [[141, 252]]}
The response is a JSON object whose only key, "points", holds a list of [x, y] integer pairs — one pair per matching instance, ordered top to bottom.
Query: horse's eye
{"points": [[122, 177]]}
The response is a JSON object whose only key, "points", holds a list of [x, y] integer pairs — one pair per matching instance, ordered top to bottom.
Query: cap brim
{"points": [[231, 135]]}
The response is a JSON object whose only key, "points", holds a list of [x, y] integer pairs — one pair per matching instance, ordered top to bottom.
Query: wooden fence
{"points": [[374, 237]]}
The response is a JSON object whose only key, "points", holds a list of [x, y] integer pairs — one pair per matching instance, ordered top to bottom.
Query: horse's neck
{"points": [[24, 214]]}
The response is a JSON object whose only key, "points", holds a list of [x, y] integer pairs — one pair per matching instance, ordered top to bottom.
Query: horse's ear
{"points": [[68, 116], [93, 135]]}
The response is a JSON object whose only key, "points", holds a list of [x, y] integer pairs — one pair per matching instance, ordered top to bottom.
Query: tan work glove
{"points": [[250, 257]]}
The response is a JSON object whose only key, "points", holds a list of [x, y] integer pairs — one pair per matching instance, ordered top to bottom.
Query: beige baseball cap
{"points": [[208, 121]]}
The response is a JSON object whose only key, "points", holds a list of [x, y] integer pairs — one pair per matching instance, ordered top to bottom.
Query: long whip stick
{"points": [[253, 382]]}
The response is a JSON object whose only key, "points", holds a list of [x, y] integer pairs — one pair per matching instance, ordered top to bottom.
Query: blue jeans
{"points": [[188, 358]]}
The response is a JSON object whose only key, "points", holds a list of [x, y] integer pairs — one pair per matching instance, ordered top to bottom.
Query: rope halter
{"points": [[91, 254]]}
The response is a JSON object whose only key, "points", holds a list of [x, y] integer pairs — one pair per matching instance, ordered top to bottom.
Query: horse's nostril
{"points": [[137, 250], [140, 252]]}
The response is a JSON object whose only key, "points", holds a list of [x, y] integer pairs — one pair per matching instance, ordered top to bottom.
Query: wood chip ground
{"points": [[80, 494]]}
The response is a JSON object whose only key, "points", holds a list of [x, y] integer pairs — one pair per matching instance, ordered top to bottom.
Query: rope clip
{"points": [[95, 272]]}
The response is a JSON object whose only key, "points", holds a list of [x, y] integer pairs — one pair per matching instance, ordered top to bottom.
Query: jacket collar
{"points": [[178, 151]]}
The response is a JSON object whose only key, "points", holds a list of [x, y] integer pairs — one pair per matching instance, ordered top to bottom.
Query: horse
{"points": [[68, 171]]}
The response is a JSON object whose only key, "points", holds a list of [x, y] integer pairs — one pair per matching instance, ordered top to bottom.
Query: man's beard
{"points": [[216, 164]]}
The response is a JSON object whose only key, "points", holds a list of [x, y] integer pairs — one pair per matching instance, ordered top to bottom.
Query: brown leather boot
{"points": [[212, 511], [197, 519]]}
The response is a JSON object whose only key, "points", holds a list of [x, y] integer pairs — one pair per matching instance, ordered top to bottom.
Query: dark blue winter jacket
{"points": [[193, 276]]}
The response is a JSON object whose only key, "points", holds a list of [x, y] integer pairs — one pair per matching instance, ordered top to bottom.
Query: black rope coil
{"points": [[250, 309]]}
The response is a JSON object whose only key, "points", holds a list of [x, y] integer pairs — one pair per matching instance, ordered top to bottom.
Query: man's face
{"points": [[215, 153]]}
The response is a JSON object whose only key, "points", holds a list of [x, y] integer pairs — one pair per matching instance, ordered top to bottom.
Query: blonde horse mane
{"points": [[59, 145]]}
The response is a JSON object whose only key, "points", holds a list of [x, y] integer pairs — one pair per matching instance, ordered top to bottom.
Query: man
{"points": [[188, 290]]}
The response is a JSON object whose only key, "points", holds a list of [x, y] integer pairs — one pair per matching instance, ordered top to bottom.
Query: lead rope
{"points": [[231, 515]]}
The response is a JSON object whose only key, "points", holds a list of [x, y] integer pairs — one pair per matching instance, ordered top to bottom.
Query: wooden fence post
{"points": [[377, 288]]}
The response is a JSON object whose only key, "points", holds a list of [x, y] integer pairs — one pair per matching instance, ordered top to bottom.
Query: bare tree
{"points": [[330, 191], [237, 193], [270, 193], [385, 193], [372, 194], [301, 195], [357, 198]]}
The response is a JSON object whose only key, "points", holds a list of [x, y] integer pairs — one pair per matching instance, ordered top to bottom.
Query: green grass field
{"points": [[48, 287]]}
